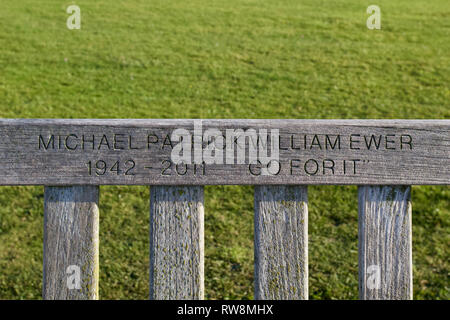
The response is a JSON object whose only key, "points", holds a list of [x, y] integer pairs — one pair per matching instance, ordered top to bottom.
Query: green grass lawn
{"points": [[224, 59]]}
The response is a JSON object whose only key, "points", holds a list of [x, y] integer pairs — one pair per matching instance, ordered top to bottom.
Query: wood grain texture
{"points": [[138, 152], [71, 228], [176, 243], [281, 243], [385, 248]]}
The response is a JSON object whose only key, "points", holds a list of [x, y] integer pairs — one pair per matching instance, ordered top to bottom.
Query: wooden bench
{"points": [[72, 158]]}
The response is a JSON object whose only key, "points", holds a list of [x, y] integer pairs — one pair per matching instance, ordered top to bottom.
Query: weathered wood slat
{"points": [[139, 152], [281, 242], [71, 243], [176, 243], [385, 254]]}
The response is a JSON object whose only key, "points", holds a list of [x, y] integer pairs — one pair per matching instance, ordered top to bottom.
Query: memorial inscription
{"points": [[99, 152]]}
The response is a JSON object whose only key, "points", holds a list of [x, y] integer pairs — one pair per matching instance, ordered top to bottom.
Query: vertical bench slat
{"points": [[176, 242], [281, 242], [71, 243], [385, 248]]}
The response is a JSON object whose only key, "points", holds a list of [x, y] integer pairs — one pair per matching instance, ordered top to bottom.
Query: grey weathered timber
{"points": [[138, 152], [281, 242], [71, 243], [176, 243], [385, 254]]}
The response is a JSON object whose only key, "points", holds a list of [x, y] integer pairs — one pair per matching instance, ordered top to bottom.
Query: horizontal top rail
{"points": [[211, 152]]}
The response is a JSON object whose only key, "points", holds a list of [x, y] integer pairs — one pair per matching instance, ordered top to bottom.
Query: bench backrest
{"points": [[72, 158]]}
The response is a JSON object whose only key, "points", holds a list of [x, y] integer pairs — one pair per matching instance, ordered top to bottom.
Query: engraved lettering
{"points": [[239, 136], [152, 139], [406, 139], [50, 140], [117, 140], [372, 140], [84, 141], [104, 141], [337, 141], [352, 141], [389, 141], [59, 142], [67, 142], [168, 142], [315, 142], [130, 144], [279, 144], [292, 144], [213, 152], [131, 165], [203, 165], [292, 165], [354, 165], [329, 166], [100, 167], [168, 167], [274, 167], [115, 168], [255, 169], [308, 169], [181, 171]]}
